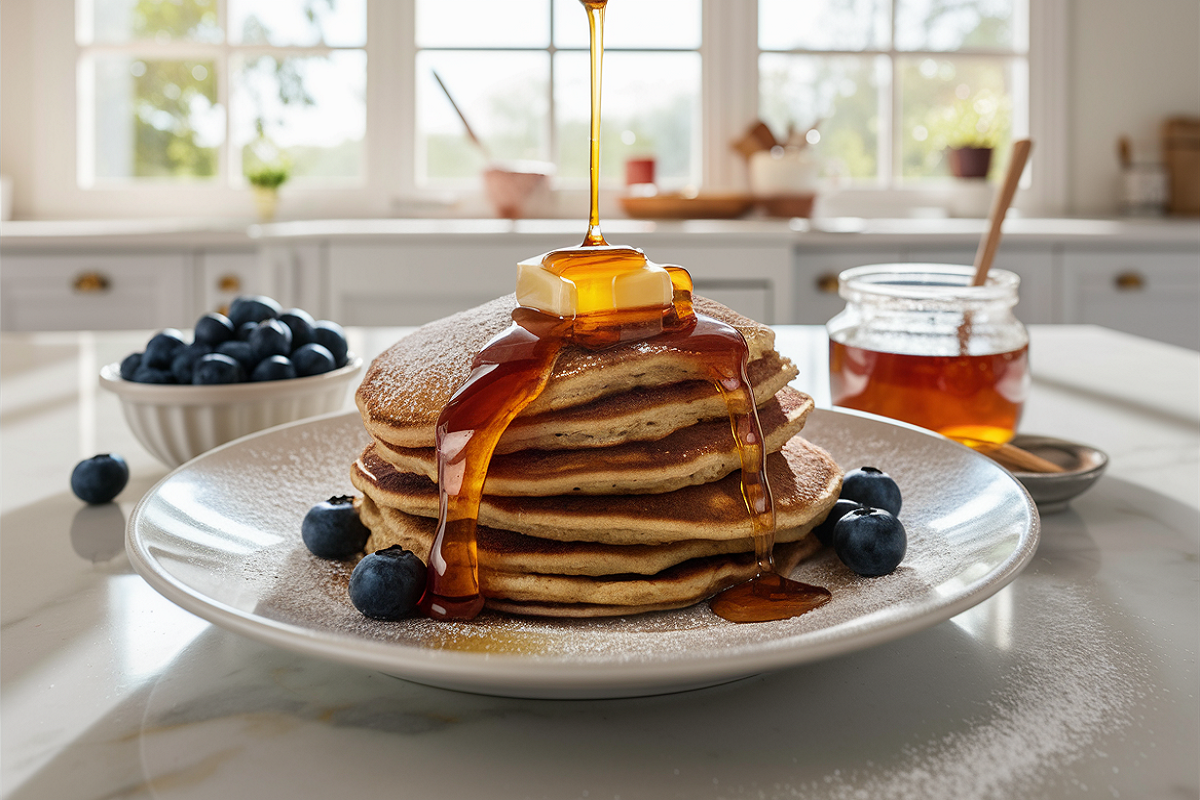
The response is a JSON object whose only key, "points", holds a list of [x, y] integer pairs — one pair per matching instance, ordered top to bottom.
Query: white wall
{"points": [[1132, 64]]}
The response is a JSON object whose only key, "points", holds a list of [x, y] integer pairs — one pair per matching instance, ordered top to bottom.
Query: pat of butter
{"points": [[590, 290]]}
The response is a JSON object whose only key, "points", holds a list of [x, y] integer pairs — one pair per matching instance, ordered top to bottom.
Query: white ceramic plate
{"points": [[220, 536]]}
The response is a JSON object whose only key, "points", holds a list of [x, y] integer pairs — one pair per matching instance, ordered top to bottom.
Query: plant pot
{"points": [[970, 162], [266, 201]]}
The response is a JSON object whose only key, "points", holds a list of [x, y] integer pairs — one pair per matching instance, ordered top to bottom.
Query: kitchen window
{"points": [[181, 105]]}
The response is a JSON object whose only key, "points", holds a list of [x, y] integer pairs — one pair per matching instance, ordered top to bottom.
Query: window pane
{"points": [[131, 20], [338, 23], [483, 23], [671, 24], [823, 24], [954, 24], [841, 93], [503, 95], [952, 103], [650, 107], [313, 109], [155, 118]]}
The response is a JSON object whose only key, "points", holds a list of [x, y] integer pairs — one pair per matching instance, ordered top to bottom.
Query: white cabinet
{"points": [[816, 271], [223, 275], [100, 292], [1151, 293]]}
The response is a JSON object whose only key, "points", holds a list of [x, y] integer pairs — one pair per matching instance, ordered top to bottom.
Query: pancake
{"points": [[406, 387], [697, 454], [804, 479], [512, 552], [684, 582]]}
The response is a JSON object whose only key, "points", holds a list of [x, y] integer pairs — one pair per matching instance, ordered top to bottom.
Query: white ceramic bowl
{"points": [[178, 423]]}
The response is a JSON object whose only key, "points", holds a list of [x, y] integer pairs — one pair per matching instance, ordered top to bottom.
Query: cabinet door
{"points": [[1034, 265], [816, 272], [222, 276], [95, 292], [1152, 294]]}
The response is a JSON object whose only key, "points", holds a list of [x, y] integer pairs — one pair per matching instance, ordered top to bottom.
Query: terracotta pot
{"points": [[970, 162]]}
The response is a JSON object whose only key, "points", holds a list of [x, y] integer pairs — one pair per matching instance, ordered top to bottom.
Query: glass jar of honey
{"points": [[921, 344]]}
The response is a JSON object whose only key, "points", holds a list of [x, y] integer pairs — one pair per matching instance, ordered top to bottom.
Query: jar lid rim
{"points": [[918, 280]]}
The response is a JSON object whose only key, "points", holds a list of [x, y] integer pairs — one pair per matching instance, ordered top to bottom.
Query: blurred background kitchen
{"points": [[385, 162]]}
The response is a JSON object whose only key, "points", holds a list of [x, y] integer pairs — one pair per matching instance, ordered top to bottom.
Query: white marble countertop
{"points": [[1077, 680]]}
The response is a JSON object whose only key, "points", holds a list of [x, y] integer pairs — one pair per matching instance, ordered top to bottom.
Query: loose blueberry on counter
{"points": [[252, 308], [301, 324], [214, 328], [333, 337], [270, 338], [162, 348], [240, 352], [313, 359], [185, 360], [129, 366], [217, 368], [274, 368], [100, 478], [872, 487], [332, 529], [824, 531], [870, 541], [387, 584]]}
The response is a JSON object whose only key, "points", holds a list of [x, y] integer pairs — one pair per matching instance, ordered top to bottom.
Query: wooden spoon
{"points": [[991, 239]]}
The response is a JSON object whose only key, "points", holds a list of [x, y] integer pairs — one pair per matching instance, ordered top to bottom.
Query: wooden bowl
{"points": [[787, 205], [678, 206]]}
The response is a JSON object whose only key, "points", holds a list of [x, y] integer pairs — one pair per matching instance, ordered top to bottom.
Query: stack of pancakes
{"points": [[617, 491]]}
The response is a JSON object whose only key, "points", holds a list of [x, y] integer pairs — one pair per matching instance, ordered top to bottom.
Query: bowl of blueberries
{"points": [[258, 367]]}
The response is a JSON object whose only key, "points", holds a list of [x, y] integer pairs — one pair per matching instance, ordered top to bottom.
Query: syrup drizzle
{"points": [[514, 367]]}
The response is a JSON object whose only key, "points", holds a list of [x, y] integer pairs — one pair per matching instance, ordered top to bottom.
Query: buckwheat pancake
{"points": [[406, 387], [693, 455], [804, 479], [524, 590]]}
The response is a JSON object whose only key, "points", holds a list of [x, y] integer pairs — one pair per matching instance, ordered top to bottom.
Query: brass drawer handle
{"points": [[1129, 281], [827, 282], [91, 283], [229, 283]]}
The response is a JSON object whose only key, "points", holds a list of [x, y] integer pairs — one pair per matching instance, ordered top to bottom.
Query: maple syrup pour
{"points": [[595, 12], [769, 596]]}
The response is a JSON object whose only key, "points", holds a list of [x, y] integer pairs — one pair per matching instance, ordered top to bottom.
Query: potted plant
{"points": [[970, 130], [265, 181]]}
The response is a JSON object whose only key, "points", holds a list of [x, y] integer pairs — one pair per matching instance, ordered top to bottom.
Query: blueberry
{"points": [[252, 308], [301, 324], [214, 328], [244, 330], [331, 335], [270, 338], [162, 347], [240, 352], [313, 359], [185, 360], [130, 364], [215, 368], [274, 368], [148, 374], [100, 478], [872, 487], [332, 529], [824, 531], [870, 541], [387, 584]]}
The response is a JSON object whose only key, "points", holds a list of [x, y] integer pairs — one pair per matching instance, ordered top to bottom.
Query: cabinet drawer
{"points": [[816, 271], [223, 276], [101, 292], [1150, 294]]}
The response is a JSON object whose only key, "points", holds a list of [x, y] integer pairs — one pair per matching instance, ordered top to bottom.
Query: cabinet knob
{"points": [[1129, 281], [827, 282], [91, 283], [229, 283]]}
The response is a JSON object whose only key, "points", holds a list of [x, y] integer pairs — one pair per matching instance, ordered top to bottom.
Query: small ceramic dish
{"points": [[177, 423], [1053, 491]]}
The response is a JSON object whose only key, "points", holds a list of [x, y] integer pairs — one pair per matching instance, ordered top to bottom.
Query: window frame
{"points": [[729, 102]]}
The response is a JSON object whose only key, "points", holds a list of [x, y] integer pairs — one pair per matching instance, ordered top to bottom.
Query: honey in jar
{"points": [[919, 343]]}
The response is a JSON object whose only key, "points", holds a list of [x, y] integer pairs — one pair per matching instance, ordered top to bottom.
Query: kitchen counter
{"points": [[1079, 679]]}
